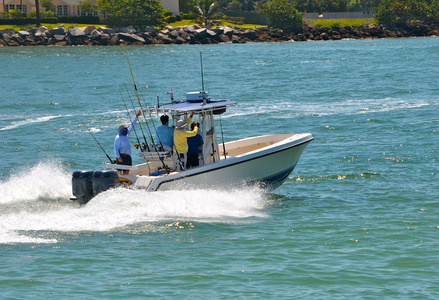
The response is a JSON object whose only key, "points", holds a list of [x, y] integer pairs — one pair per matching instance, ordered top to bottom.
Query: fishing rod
{"points": [[202, 79], [138, 99], [204, 102], [140, 104], [131, 120], [153, 124], [85, 126], [222, 136], [145, 144]]}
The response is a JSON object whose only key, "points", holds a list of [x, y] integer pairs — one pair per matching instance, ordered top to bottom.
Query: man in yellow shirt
{"points": [[180, 141]]}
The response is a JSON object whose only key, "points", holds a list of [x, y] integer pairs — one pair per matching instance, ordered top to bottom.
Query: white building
{"points": [[70, 7]]}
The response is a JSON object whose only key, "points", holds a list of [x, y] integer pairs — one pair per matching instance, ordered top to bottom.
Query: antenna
{"points": [[202, 74], [202, 79]]}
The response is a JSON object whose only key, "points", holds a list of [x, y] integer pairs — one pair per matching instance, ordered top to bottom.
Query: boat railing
{"points": [[147, 155], [120, 167]]}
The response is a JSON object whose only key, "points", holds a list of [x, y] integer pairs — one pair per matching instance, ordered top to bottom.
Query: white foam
{"points": [[344, 107], [28, 121], [94, 129], [45, 180], [37, 203]]}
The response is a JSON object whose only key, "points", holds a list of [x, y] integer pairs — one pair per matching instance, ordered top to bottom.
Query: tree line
{"points": [[287, 14]]}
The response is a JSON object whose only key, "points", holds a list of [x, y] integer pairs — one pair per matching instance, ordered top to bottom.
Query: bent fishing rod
{"points": [[138, 100], [131, 120], [146, 121], [85, 126], [145, 144]]}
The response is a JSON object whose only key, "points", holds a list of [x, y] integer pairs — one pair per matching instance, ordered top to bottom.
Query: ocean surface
{"points": [[357, 219]]}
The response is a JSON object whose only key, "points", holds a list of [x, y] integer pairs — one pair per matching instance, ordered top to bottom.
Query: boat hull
{"points": [[268, 166]]}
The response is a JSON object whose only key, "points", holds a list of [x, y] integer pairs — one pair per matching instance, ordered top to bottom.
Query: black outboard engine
{"points": [[104, 180], [87, 184], [82, 186]]}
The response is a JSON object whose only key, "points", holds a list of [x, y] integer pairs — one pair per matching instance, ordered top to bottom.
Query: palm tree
{"points": [[37, 7], [206, 9]]}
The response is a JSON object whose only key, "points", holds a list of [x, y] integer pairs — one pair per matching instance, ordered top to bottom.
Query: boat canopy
{"points": [[199, 106]]}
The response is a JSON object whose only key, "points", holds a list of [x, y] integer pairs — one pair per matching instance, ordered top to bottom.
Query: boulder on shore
{"points": [[196, 34]]}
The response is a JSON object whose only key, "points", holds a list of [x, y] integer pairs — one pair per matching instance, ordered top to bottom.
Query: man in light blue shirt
{"points": [[165, 134], [122, 145]]}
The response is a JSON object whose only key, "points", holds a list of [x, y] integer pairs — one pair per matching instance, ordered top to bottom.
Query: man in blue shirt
{"points": [[165, 134], [122, 146]]}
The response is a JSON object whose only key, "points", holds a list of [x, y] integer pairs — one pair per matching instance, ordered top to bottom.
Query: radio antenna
{"points": [[202, 74]]}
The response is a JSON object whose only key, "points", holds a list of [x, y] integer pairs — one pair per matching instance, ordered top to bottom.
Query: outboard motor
{"points": [[104, 180], [82, 186]]}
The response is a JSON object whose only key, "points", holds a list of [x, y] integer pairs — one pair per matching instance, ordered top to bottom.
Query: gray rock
{"points": [[89, 29], [189, 29], [8, 30], [33, 30], [106, 30], [129, 30], [151, 30], [219, 30], [42, 31], [57, 31], [228, 31], [75, 32], [23, 33], [200, 33], [211, 33], [95, 34], [174, 34], [250, 34], [185, 35], [59, 37], [131, 37], [148, 38], [163, 38], [224, 38], [18, 39], [104, 39], [114, 40], [179, 40]]}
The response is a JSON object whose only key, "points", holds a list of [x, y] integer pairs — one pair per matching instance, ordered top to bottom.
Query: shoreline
{"points": [[195, 34]]}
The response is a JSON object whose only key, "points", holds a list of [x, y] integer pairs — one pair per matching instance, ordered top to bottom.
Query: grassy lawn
{"points": [[189, 22], [342, 22], [317, 23], [175, 25], [49, 26]]}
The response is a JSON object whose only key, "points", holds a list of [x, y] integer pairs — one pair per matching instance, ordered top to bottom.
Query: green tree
{"points": [[48, 5], [235, 5], [87, 6], [188, 6], [104, 7], [207, 9], [433, 11], [402, 12], [137, 13], [16, 14], [282, 14]]}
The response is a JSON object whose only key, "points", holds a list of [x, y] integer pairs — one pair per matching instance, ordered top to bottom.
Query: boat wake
{"points": [[28, 121], [35, 204]]}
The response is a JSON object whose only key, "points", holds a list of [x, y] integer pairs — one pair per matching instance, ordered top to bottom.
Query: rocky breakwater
{"points": [[195, 34]]}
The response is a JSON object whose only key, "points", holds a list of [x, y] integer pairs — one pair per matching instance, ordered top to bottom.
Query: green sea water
{"points": [[357, 219]]}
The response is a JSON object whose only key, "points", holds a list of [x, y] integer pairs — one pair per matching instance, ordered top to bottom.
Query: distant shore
{"points": [[195, 34]]}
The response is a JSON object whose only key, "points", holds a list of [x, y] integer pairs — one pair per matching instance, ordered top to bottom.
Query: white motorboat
{"points": [[265, 160]]}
